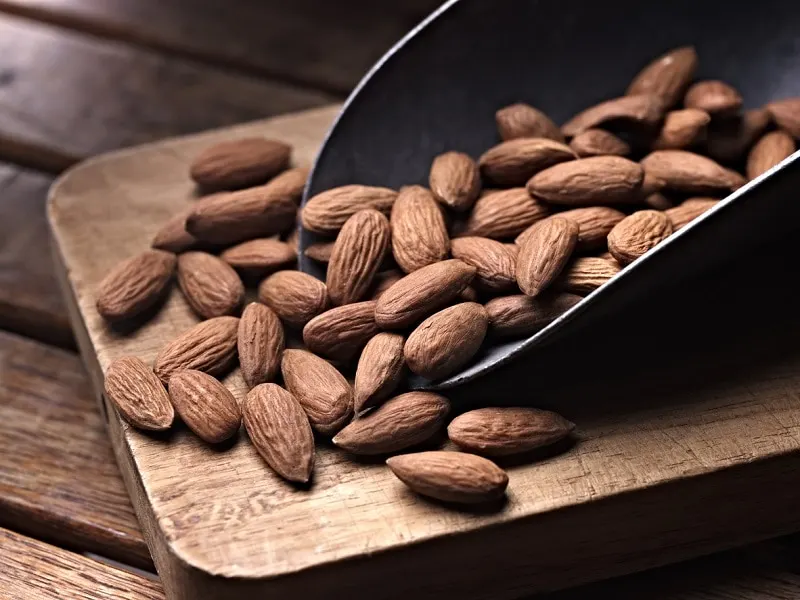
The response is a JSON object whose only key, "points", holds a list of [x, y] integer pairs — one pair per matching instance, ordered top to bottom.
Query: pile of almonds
{"points": [[418, 279]]}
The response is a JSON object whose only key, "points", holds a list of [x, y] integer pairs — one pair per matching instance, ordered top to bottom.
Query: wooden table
{"points": [[79, 77]]}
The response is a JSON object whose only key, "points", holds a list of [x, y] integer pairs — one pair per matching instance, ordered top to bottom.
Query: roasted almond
{"points": [[667, 77], [717, 98], [644, 110], [786, 114], [523, 121], [682, 129], [730, 139], [598, 142], [768, 152], [513, 162], [239, 163], [691, 173], [455, 180], [595, 180], [290, 183], [328, 211], [688, 211], [504, 214], [594, 224], [419, 233], [637, 234], [173, 237], [320, 251], [544, 252], [260, 256], [494, 261], [586, 274], [383, 281], [135, 285], [211, 286], [294, 296], [521, 315], [341, 332], [260, 343], [209, 346], [380, 369], [138, 395], [205, 405], [496, 431]]}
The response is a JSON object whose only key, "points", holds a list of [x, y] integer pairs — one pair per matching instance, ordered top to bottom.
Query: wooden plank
{"points": [[327, 45], [671, 454], [58, 479], [32, 570]]}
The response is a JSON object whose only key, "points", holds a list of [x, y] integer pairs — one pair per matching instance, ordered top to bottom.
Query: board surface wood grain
{"points": [[662, 472]]}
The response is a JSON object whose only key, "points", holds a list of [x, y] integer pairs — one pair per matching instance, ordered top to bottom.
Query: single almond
{"points": [[667, 77], [717, 98], [644, 110], [786, 114], [524, 121], [682, 129], [730, 139], [598, 142], [768, 152], [513, 162], [239, 163], [690, 173], [455, 180], [595, 180], [290, 183], [658, 201], [328, 211], [688, 211], [504, 214], [594, 224], [419, 233], [637, 234], [173, 237], [320, 251], [544, 252], [357, 254], [260, 256], [494, 261], [586, 274], [383, 281], [135, 285], [211, 286], [422, 293], [294, 296], [521, 315], [341, 332], [446, 341], [260, 342], [209, 346], [380, 370], [321, 390], [138, 394], [205, 405], [404, 421], [496, 431], [280, 432], [450, 476]]}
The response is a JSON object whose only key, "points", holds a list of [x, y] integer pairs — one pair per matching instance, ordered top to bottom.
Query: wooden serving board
{"points": [[661, 472]]}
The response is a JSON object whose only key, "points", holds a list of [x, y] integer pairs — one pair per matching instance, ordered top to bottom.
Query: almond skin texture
{"points": [[667, 77], [717, 98], [644, 111], [786, 114], [523, 121], [682, 128], [730, 139], [598, 142], [768, 152], [513, 162], [239, 163], [691, 173], [455, 180], [595, 180], [290, 183], [328, 211], [688, 211], [504, 214], [594, 224], [419, 233], [637, 234], [173, 237], [320, 252], [544, 252], [357, 253], [260, 256], [494, 261], [585, 274], [135, 285], [211, 286], [422, 293], [294, 296], [521, 315], [340, 333], [446, 341], [260, 343], [209, 346], [380, 370], [321, 390], [138, 394], [205, 405], [404, 421], [507, 431], [280, 432], [450, 476]]}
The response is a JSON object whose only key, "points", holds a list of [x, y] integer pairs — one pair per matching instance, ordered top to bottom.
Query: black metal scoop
{"points": [[438, 89]]}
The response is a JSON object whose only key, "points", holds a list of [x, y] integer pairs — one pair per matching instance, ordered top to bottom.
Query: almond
{"points": [[667, 77], [717, 98], [643, 110], [786, 113], [523, 121], [681, 129], [730, 139], [598, 142], [768, 152], [513, 162], [239, 163], [691, 173], [455, 180], [595, 180], [290, 184], [652, 184], [658, 201], [328, 211], [688, 211], [504, 214], [594, 224], [419, 234], [637, 234], [173, 237], [320, 251], [544, 252], [357, 253], [260, 256], [494, 262], [586, 274], [383, 281], [135, 285], [211, 287], [421, 293], [294, 296], [521, 315], [340, 333], [446, 341], [260, 342], [209, 346], [380, 370], [321, 390], [138, 394], [205, 405], [404, 421], [279, 430], [498, 431], [450, 476]]}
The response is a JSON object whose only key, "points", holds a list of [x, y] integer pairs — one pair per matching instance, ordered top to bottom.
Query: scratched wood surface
{"points": [[662, 471]]}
